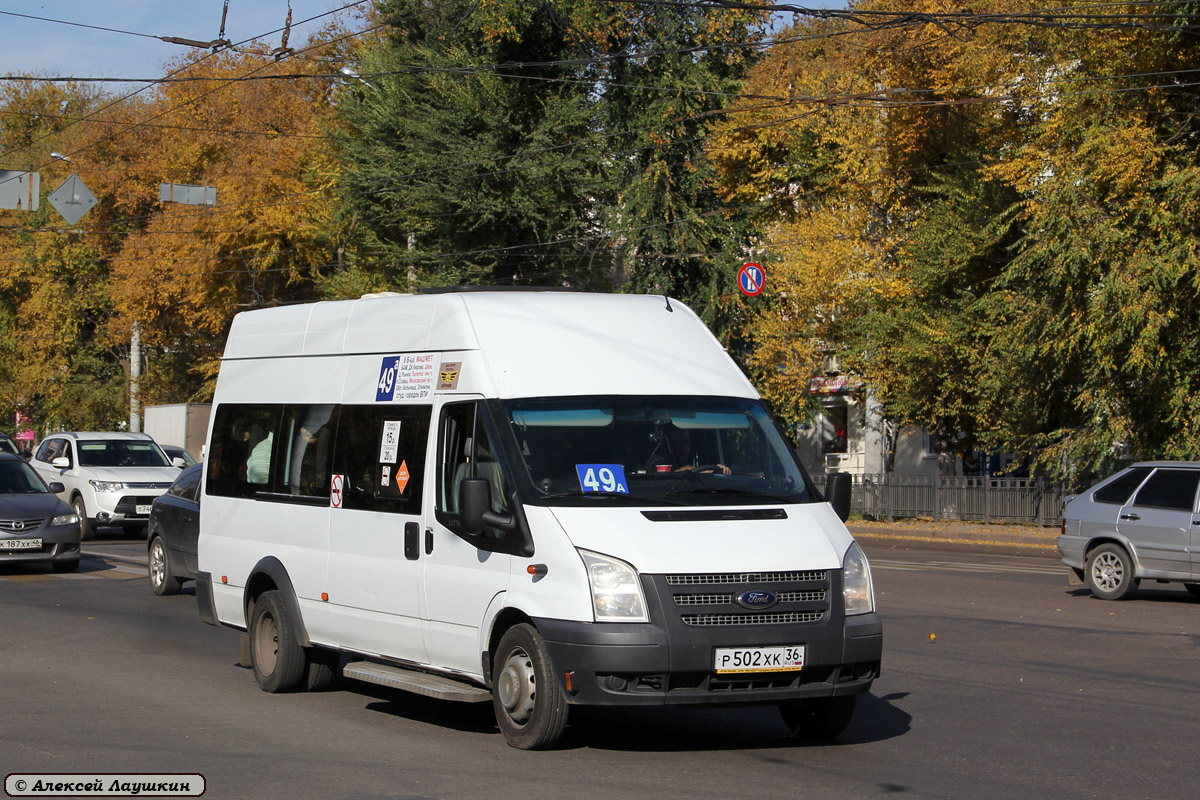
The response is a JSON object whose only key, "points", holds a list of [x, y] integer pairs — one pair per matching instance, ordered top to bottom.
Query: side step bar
{"points": [[421, 683]]}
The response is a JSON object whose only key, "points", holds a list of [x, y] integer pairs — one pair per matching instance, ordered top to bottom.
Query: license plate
{"points": [[142, 510], [20, 544], [788, 658]]}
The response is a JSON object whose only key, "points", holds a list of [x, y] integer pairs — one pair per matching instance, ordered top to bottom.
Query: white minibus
{"points": [[537, 499]]}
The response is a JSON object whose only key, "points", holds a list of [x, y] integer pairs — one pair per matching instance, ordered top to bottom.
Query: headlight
{"points": [[107, 486], [65, 519], [856, 582], [616, 590]]}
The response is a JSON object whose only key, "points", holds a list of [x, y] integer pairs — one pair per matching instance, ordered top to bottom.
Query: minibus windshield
{"points": [[654, 450]]}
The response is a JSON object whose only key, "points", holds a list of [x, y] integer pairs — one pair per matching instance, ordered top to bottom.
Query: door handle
{"points": [[1130, 516], [428, 541], [411, 544]]}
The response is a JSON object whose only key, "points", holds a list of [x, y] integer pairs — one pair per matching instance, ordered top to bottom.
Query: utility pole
{"points": [[135, 378]]}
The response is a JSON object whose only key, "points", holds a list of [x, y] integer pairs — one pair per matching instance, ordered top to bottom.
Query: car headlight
{"points": [[107, 486], [64, 519], [856, 582], [616, 590]]}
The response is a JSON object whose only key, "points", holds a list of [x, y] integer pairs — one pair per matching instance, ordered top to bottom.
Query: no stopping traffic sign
{"points": [[751, 279]]}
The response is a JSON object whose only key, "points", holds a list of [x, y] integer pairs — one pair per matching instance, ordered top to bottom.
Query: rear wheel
{"points": [[85, 525], [1109, 572], [162, 581], [275, 653], [321, 668], [531, 709], [819, 718]]}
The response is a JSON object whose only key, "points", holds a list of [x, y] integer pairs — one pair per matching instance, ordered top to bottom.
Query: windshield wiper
{"points": [[732, 490], [610, 495]]}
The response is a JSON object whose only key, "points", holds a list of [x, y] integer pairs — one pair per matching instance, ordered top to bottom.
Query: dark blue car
{"points": [[173, 530]]}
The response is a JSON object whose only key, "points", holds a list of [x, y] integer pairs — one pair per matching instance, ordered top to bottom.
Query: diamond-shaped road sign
{"points": [[72, 199]]}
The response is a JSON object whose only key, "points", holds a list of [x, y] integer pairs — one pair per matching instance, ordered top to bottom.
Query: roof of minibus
{"points": [[535, 344]]}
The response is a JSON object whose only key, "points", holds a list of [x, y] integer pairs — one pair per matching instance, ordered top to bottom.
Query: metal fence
{"points": [[982, 498]]}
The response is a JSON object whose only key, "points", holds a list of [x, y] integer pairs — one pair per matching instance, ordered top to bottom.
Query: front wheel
{"points": [[87, 532], [1109, 572], [162, 581], [1193, 589], [275, 653], [531, 709], [819, 718]]}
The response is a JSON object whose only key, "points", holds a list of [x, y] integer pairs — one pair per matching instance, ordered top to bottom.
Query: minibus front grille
{"points": [[748, 578], [816, 596], [725, 599], [787, 618]]}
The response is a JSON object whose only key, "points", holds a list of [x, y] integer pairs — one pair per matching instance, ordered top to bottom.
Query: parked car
{"points": [[7, 445], [177, 454], [110, 479], [1140, 523], [36, 526], [174, 526]]}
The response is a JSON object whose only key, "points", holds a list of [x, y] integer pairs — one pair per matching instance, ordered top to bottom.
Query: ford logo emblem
{"points": [[756, 599]]}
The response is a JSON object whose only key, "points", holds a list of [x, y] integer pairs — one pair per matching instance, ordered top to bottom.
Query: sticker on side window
{"points": [[602, 478]]}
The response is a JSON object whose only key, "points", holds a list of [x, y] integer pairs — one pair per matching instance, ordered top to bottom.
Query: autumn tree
{"points": [[1020, 198]]}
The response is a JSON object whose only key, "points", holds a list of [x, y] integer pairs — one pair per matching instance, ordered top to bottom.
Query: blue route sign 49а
{"points": [[751, 279]]}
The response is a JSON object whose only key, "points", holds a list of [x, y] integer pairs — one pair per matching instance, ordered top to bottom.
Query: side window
{"points": [[241, 450], [43, 451], [304, 451], [465, 451], [381, 452], [187, 488], [1173, 489], [1119, 490]]}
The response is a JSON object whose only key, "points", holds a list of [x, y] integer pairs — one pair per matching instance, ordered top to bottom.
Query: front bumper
{"points": [[59, 544], [669, 661]]}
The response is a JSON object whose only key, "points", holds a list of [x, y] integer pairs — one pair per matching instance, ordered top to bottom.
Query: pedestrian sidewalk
{"points": [[1025, 539]]}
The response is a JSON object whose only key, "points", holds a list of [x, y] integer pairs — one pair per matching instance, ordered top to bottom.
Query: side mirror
{"points": [[178, 461], [62, 462], [56, 487], [837, 491], [475, 502]]}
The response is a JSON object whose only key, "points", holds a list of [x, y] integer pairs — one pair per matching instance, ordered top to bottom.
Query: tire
{"points": [[86, 529], [65, 566], [158, 568], [1109, 573], [1193, 589], [275, 654], [321, 668], [530, 706], [819, 718]]}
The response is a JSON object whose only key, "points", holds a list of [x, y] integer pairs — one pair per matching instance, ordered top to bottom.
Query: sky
{"points": [[33, 46], [54, 49]]}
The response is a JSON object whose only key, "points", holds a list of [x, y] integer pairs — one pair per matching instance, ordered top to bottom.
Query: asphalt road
{"points": [[1000, 681]]}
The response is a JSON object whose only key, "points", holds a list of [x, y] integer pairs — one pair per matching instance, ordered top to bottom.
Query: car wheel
{"points": [[87, 532], [66, 566], [158, 567], [1109, 573], [1193, 589], [275, 653], [531, 709], [819, 718]]}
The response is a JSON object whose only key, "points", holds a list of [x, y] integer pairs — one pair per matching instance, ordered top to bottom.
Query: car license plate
{"points": [[142, 510], [20, 544], [788, 658]]}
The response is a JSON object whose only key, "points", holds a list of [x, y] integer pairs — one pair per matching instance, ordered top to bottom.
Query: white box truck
{"points": [[537, 499]]}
